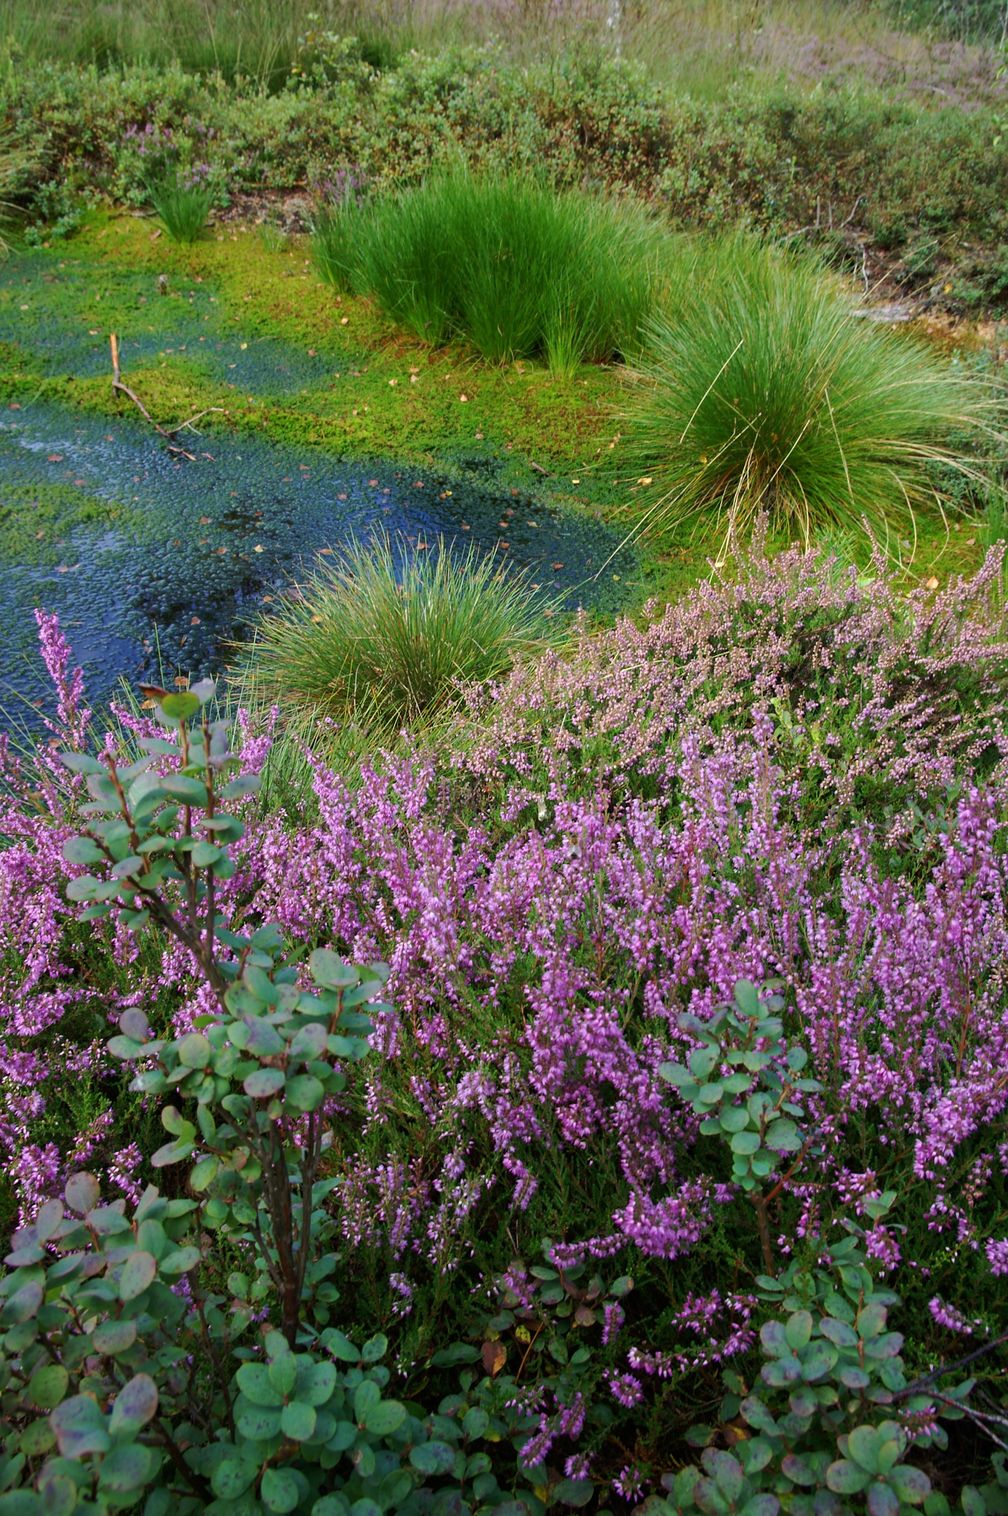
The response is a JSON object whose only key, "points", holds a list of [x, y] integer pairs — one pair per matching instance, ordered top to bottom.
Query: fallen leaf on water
{"points": [[259, 548]]}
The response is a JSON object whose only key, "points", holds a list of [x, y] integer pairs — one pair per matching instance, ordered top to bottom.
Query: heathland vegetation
{"points": [[474, 1057]]}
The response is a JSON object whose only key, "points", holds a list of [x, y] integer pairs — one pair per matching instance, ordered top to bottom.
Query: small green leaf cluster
{"points": [[156, 824], [756, 1107], [545, 1335], [92, 1342], [118, 1385], [824, 1430]]}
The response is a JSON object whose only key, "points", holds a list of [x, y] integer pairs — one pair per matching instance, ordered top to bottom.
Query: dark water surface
{"points": [[177, 558]]}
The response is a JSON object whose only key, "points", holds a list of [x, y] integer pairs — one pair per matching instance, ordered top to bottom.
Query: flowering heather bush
{"points": [[798, 779]]}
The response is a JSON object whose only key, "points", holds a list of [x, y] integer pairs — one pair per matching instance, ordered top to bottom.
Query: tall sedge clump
{"points": [[182, 205], [505, 264], [762, 392], [390, 640]]}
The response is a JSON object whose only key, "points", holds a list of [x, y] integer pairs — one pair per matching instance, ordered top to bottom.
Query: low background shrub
{"points": [[769, 154]]}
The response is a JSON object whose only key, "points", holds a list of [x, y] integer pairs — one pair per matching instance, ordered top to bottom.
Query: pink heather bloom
{"points": [[658, 832], [997, 1255], [949, 1317]]}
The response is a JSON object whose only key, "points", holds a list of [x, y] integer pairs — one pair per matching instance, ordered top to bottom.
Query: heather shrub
{"points": [[504, 263], [762, 392], [387, 637], [796, 781], [117, 1354]]}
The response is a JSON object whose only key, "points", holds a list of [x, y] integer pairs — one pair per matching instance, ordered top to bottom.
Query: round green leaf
{"points": [[180, 705], [329, 970], [194, 1051], [264, 1082], [304, 1092], [782, 1137], [82, 1193], [180, 1260], [139, 1272], [23, 1305], [798, 1329], [114, 1336], [255, 1383], [48, 1385], [316, 1386], [135, 1405], [385, 1417], [297, 1421], [475, 1422], [80, 1427], [862, 1445], [433, 1458], [127, 1468], [232, 1477], [845, 1478], [279, 1491], [882, 1501]]}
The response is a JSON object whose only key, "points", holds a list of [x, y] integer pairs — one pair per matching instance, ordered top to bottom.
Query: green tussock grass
{"points": [[181, 208], [505, 264], [762, 392], [387, 638]]}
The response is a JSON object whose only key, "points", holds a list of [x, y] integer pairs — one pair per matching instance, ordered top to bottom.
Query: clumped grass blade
{"points": [[182, 208], [503, 263], [762, 391], [386, 639]]}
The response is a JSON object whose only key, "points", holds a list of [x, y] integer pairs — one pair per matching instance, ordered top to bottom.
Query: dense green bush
{"points": [[506, 263]]}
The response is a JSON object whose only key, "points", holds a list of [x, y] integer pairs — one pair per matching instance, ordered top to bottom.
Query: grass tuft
{"points": [[182, 208], [506, 264], [763, 392], [387, 639]]}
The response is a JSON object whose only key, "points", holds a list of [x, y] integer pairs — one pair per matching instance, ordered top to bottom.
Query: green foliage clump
{"points": [[181, 207], [507, 264], [764, 392], [389, 637]]}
